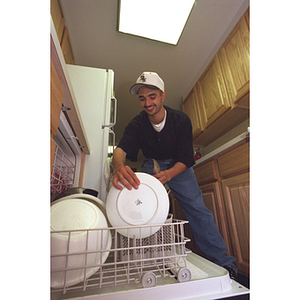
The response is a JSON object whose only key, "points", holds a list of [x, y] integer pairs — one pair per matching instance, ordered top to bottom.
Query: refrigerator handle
{"points": [[115, 114]]}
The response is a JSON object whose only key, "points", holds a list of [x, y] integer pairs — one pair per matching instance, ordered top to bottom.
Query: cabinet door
{"points": [[235, 61], [212, 94], [191, 108], [235, 161], [206, 173], [236, 193], [213, 201]]}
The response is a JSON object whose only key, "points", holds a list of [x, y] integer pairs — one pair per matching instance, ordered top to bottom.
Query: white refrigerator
{"points": [[94, 95]]}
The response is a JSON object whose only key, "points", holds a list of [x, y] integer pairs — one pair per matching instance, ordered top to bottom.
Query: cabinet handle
{"points": [[115, 115]]}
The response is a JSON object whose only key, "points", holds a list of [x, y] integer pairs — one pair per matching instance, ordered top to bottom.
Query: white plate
{"points": [[148, 205], [74, 214]]}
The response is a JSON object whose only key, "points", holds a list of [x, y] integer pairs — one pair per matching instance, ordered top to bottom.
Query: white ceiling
{"points": [[92, 26]]}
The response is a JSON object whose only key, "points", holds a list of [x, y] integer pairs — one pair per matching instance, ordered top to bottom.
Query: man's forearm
{"points": [[119, 157], [177, 169]]}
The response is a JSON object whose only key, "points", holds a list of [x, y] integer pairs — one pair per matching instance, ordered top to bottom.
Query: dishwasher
{"points": [[158, 266], [155, 267]]}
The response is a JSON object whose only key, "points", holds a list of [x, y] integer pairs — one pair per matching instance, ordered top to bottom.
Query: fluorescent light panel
{"points": [[160, 20]]}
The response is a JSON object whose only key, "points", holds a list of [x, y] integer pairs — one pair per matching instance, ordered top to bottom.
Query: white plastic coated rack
{"points": [[63, 172], [141, 261]]}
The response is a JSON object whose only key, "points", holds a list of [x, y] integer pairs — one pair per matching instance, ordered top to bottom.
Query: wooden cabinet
{"points": [[57, 18], [61, 31], [235, 58], [212, 93], [220, 97], [192, 109], [234, 162], [206, 172], [207, 177], [234, 178], [224, 181], [236, 197], [213, 201]]}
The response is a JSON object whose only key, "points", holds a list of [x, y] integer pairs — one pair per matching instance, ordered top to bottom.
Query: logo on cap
{"points": [[143, 78]]}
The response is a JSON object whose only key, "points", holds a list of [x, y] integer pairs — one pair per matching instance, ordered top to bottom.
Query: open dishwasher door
{"points": [[154, 267], [208, 281]]}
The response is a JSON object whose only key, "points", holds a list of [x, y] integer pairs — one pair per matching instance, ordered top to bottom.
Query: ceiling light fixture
{"points": [[160, 20]]}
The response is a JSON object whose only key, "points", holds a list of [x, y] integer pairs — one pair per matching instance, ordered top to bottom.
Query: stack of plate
{"points": [[74, 213]]}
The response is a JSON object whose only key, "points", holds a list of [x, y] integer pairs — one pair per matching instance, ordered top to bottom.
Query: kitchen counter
{"points": [[223, 147]]}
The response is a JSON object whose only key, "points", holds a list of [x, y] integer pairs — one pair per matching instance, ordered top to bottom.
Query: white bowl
{"points": [[99, 203], [147, 205], [72, 215]]}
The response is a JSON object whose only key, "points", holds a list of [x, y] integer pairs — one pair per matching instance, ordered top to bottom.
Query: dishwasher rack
{"points": [[63, 171], [132, 260]]}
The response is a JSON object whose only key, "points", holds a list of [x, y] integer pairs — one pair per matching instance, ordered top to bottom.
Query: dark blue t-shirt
{"points": [[175, 141]]}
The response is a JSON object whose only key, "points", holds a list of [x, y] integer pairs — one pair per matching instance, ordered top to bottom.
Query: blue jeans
{"points": [[186, 190]]}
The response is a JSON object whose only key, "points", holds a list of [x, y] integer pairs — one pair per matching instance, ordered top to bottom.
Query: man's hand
{"points": [[123, 173], [127, 177], [163, 177]]}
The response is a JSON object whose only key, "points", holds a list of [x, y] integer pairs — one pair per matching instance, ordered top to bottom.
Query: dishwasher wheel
{"points": [[184, 274], [149, 280]]}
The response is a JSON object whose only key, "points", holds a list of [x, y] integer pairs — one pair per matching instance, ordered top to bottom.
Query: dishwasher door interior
{"points": [[208, 281]]}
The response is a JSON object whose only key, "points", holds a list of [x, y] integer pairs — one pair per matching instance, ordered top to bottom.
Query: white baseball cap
{"points": [[149, 79]]}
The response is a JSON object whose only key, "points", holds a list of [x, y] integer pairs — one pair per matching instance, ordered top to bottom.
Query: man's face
{"points": [[151, 100]]}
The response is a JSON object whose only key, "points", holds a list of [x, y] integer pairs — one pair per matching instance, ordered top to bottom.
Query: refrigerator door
{"points": [[93, 89], [109, 122]]}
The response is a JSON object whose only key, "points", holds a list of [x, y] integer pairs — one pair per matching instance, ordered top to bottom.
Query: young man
{"points": [[165, 134]]}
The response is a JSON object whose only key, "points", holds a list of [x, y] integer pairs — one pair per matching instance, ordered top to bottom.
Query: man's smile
{"points": [[149, 108]]}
